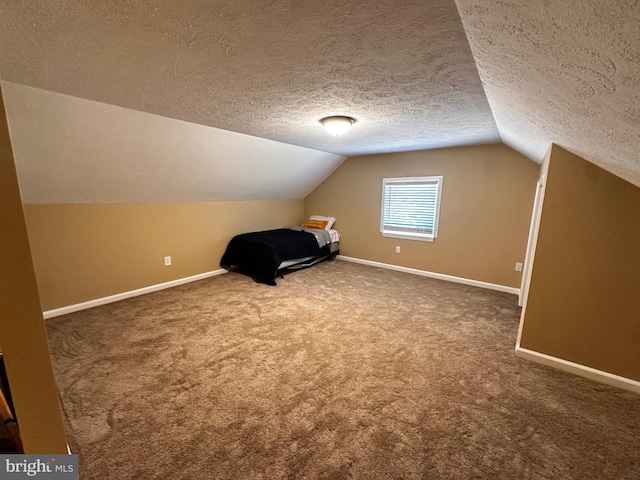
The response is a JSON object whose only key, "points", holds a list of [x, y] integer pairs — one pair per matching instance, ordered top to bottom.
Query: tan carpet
{"points": [[341, 371]]}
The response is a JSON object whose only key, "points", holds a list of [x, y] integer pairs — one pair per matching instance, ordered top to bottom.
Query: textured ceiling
{"points": [[270, 69], [566, 72], [415, 73]]}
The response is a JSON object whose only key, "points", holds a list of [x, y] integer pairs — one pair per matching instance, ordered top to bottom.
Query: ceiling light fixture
{"points": [[337, 125]]}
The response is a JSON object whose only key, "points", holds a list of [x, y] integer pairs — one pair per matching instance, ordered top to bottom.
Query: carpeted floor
{"points": [[341, 371]]}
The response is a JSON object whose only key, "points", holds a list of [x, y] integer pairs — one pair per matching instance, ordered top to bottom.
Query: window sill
{"points": [[408, 237]]}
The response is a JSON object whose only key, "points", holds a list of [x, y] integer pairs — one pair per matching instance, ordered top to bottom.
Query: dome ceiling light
{"points": [[337, 125]]}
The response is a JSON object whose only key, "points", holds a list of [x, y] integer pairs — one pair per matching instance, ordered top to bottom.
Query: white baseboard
{"points": [[439, 276], [133, 293], [581, 370]]}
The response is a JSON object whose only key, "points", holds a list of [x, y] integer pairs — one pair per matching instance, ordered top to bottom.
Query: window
{"points": [[410, 207]]}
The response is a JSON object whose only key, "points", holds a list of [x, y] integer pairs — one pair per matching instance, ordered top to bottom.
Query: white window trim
{"points": [[436, 220]]}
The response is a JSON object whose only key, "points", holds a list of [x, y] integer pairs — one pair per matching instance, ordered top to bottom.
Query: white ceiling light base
{"points": [[337, 125]]}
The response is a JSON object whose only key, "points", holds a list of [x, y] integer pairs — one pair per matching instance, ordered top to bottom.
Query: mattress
{"points": [[270, 253]]}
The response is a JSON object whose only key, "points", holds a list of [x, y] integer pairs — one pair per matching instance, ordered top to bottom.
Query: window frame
{"points": [[436, 216]]}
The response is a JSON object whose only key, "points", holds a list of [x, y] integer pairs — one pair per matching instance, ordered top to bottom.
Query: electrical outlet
{"points": [[397, 248], [167, 261], [518, 267]]}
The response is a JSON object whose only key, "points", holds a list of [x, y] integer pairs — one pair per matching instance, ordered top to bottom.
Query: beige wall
{"points": [[487, 198], [86, 251], [584, 297], [22, 331]]}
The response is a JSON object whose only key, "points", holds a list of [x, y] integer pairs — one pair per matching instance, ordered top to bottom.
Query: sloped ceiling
{"points": [[269, 69], [564, 72], [72, 150]]}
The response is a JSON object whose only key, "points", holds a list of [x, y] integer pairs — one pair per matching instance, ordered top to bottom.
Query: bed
{"points": [[269, 254]]}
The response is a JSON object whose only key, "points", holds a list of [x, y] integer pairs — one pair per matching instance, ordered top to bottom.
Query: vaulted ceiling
{"points": [[562, 71], [416, 74]]}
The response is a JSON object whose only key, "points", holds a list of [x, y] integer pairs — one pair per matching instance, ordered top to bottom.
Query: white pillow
{"points": [[330, 220]]}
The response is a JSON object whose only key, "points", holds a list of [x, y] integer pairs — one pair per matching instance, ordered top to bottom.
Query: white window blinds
{"points": [[410, 207]]}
